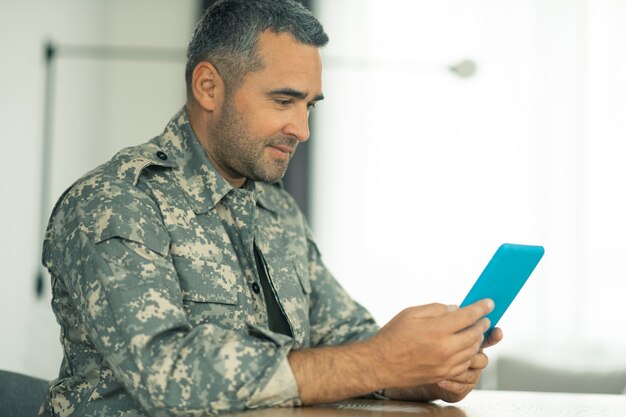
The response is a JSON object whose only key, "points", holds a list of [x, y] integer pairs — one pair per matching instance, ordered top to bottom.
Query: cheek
{"points": [[261, 118], [267, 123]]}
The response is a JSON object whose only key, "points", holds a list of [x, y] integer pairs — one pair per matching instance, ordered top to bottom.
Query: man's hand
{"points": [[429, 344], [419, 347], [454, 389]]}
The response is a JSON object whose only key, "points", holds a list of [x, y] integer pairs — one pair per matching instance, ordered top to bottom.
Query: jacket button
{"points": [[161, 155], [256, 288]]}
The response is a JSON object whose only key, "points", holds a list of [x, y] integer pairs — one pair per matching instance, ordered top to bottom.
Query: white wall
{"points": [[100, 107], [420, 175]]}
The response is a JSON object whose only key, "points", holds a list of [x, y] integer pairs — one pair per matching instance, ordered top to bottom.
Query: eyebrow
{"points": [[294, 93]]}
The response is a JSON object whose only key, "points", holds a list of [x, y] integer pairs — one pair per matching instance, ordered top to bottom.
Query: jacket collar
{"points": [[202, 184]]}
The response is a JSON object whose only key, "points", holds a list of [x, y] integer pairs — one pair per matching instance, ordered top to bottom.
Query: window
{"points": [[420, 174]]}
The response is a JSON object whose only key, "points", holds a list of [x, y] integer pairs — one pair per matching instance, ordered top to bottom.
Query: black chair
{"points": [[20, 395]]}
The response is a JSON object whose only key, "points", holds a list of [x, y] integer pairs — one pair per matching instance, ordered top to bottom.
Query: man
{"points": [[185, 279]]}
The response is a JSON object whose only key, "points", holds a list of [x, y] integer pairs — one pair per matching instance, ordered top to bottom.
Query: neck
{"points": [[201, 121]]}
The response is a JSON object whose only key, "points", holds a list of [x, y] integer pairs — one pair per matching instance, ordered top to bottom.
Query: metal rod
{"points": [[125, 53], [46, 156]]}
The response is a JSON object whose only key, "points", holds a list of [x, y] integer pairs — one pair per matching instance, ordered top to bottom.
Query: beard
{"points": [[240, 153]]}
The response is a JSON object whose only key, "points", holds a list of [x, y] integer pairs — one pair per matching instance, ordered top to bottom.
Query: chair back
{"points": [[20, 395]]}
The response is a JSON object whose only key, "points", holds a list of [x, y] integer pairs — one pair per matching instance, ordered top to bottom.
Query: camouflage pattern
{"points": [[152, 266]]}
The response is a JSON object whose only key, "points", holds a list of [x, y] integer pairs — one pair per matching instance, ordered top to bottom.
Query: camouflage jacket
{"points": [[155, 287]]}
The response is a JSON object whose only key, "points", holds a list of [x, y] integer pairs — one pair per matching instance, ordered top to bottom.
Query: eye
{"points": [[283, 102], [310, 106]]}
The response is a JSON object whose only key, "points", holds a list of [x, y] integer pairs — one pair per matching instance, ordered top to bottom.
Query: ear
{"points": [[207, 86]]}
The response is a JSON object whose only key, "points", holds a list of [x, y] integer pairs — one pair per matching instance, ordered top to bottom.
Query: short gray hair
{"points": [[228, 33]]}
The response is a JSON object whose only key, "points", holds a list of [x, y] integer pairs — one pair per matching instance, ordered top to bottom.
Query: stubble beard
{"points": [[242, 154]]}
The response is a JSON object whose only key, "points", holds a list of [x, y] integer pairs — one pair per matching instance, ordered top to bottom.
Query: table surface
{"points": [[477, 404]]}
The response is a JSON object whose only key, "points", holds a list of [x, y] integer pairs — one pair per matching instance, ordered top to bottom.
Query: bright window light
{"points": [[420, 174]]}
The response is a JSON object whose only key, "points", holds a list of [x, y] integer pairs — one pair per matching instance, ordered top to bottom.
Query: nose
{"points": [[298, 125]]}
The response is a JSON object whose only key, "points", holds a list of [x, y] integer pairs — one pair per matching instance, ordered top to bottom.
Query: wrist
{"points": [[368, 355], [327, 374], [379, 374]]}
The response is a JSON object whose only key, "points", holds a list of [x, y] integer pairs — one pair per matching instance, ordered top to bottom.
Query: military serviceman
{"points": [[185, 279]]}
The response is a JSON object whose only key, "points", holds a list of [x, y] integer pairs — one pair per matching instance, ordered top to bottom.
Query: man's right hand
{"points": [[431, 343], [421, 345]]}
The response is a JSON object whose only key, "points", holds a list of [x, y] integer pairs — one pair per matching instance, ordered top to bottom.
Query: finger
{"points": [[430, 310], [464, 317], [472, 334], [495, 336], [467, 345], [464, 346], [461, 361], [479, 361], [471, 376], [462, 383], [456, 387]]}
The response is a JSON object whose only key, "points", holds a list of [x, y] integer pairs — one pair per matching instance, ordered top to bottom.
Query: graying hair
{"points": [[228, 33]]}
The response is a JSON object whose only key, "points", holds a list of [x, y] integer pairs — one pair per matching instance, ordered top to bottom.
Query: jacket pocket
{"points": [[206, 282], [210, 293]]}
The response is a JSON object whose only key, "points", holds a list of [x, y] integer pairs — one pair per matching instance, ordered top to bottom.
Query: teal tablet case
{"points": [[503, 278]]}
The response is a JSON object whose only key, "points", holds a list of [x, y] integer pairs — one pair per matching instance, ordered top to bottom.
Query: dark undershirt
{"points": [[277, 321]]}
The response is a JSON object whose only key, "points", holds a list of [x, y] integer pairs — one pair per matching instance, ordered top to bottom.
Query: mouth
{"points": [[282, 151]]}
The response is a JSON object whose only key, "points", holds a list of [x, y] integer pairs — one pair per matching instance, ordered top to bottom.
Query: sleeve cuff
{"points": [[280, 390]]}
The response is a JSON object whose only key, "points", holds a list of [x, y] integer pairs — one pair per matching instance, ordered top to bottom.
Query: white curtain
{"points": [[420, 174]]}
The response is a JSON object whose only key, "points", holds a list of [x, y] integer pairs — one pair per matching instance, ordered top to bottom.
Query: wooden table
{"points": [[477, 404]]}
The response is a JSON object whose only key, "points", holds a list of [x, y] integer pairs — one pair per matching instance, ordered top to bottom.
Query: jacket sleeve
{"points": [[112, 251], [335, 317]]}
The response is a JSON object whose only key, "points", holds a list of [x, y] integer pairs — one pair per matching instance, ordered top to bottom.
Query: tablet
{"points": [[503, 278]]}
